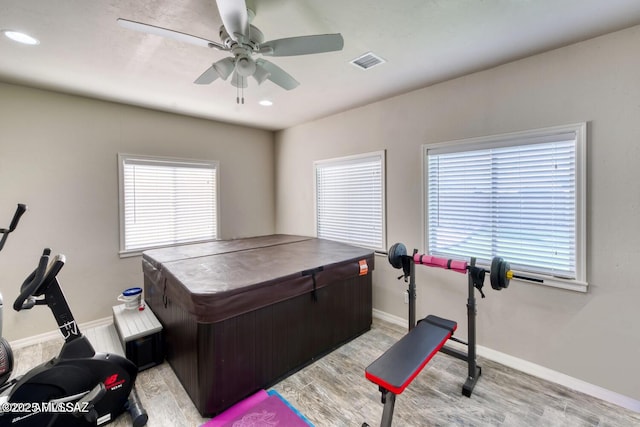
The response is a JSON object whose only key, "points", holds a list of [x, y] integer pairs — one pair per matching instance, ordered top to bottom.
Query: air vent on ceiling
{"points": [[367, 61]]}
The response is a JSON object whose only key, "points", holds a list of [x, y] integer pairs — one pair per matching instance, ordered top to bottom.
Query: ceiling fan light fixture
{"points": [[19, 37], [245, 65], [224, 67], [261, 74], [265, 103]]}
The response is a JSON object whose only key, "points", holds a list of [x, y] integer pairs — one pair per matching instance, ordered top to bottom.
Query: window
{"points": [[520, 196], [350, 200], [166, 202]]}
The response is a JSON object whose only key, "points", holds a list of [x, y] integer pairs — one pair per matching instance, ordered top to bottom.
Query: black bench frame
{"points": [[475, 277], [438, 331]]}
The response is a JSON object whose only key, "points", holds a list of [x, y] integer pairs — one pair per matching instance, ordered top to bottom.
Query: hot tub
{"points": [[240, 315]]}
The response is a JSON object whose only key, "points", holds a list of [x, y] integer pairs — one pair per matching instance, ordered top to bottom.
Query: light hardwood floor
{"points": [[334, 392]]}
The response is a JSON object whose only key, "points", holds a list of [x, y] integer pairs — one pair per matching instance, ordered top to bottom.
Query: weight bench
{"points": [[400, 364]]}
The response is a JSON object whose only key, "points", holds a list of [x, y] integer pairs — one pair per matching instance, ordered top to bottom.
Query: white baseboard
{"points": [[383, 315], [24, 342], [536, 370]]}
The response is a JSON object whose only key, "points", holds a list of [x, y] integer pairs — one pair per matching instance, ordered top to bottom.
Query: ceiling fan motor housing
{"points": [[255, 38]]}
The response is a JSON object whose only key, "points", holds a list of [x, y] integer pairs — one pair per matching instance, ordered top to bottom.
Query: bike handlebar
{"points": [[21, 209], [16, 217], [31, 284]]}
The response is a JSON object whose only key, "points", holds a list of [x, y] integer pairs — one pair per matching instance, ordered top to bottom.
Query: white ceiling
{"points": [[84, 51]]}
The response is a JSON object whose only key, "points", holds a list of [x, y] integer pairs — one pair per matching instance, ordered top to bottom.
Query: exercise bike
{"points": [[6, 355], [79, 387]]}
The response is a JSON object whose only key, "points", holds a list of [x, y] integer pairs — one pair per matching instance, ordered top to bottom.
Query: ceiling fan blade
{"points": [[235, 18], [164, 32], [303, 45], [277, 74], [207, 77]]}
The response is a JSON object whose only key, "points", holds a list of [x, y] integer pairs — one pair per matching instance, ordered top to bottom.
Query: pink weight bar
{"points": [[447, 264]]}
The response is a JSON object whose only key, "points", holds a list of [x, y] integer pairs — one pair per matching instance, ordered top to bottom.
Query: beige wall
{"points": [[58, 155], [595, 336]]}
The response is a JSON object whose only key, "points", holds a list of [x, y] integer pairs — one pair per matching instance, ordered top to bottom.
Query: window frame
{"points": [[355, 158], [166, 161], [580, 283]]}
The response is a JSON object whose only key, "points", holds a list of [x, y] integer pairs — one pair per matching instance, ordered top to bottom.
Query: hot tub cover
{"points": [[214, 281]]}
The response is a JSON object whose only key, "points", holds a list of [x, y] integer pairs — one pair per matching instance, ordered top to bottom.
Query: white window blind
{"points": [[517, 196], [350, 200], [166, 202]]}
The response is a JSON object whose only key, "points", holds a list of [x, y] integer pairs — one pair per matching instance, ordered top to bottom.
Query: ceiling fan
{"points": [[243, 41]]}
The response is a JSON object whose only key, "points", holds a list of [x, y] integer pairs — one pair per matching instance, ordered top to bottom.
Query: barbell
{"points": [[499, 275]]}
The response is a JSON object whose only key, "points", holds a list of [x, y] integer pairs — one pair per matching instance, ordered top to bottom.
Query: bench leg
{"points": [[471, 381], [389, 400]]}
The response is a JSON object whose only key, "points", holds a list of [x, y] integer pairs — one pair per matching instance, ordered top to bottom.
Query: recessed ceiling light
{"points": [[19, 37], [266, 103]]}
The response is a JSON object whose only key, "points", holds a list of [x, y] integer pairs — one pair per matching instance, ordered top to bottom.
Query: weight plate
{"points": [[396, 252], [504, 267], [495, 276]]}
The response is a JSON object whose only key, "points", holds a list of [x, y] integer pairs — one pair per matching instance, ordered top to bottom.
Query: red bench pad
{"points": [[401, 363]]}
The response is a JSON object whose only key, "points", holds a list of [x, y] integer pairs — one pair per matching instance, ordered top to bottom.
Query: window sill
{"points": [[130, 254], [554, 282]]}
